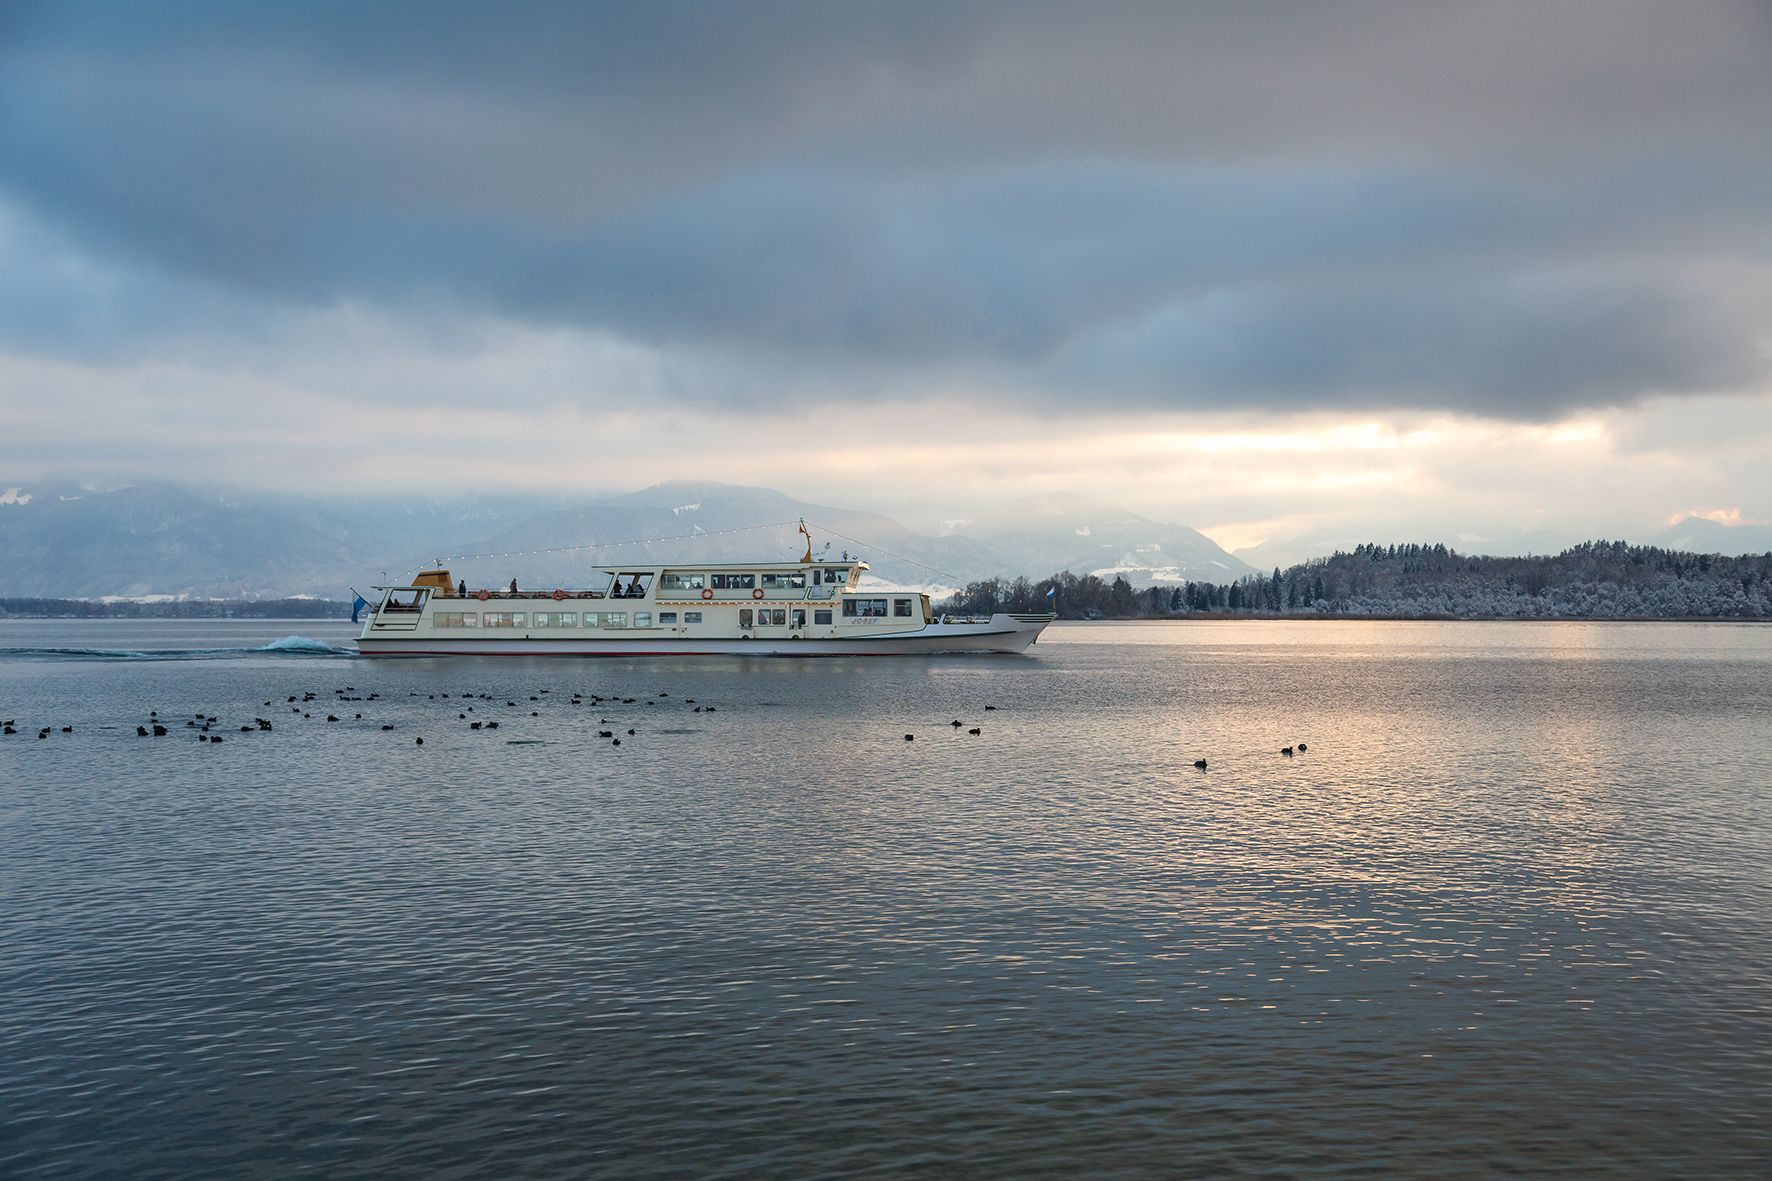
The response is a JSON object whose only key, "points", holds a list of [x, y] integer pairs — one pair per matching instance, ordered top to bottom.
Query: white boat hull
{"points": [[1003, 633]]}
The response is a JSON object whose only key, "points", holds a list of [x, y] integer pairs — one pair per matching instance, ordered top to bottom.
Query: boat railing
{"points": [[536, 595]]}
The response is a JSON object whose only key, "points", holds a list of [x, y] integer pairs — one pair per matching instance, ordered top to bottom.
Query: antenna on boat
{"points": [[808, 534]]}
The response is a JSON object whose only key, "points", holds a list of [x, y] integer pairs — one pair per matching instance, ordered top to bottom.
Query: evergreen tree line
{"points": [[1594, 580]]}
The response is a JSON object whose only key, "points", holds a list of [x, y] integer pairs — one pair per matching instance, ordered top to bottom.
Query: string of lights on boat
{"points": [[700, 533]]}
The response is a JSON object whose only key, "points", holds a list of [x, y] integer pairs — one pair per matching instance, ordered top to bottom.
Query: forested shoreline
{"points": [[1594, 580], [44, 608]]}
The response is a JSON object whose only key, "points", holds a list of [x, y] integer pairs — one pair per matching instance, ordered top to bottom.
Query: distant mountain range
{"points": [[1041, 535], [1700, 536], [160, 540], [208, 542], [222, 542]]}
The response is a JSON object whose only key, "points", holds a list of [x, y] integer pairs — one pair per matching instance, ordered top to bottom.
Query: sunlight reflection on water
{"points": [[1505, 913]]}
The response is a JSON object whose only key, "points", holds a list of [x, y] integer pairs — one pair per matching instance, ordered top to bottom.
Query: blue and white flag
{"points": [[1053, 593], [358, 606]]}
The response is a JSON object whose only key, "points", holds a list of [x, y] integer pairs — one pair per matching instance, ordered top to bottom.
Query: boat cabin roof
{"points": [[740, 567], [439, 579]]}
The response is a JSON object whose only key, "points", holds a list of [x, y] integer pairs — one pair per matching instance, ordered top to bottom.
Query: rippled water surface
{"points": [[1509, 912]]}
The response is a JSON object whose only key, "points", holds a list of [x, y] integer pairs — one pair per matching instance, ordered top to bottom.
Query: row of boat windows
{"points": [[792, 580], [870, 608], [781, 617], [542, 620]]}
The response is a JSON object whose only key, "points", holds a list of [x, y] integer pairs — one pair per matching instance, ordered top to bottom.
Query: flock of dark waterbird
{"points": [[298, 703], [205, 725]]}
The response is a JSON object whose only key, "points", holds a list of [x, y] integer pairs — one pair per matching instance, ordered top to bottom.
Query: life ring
{"points": [[485, 594], [707, 594], [757, 594], [559, 596]]}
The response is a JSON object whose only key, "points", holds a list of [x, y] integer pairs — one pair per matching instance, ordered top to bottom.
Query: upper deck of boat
{"points": [[738, 567], [640, 580]]}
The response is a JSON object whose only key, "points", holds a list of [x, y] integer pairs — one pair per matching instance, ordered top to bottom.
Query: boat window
{"points": [[832, 576], [735, 581], [794, 581], [683, 582], [630, 586], [404, 600], [901, 607], [864, 608], [744, 616], [692, 617], [799, 617], [821, 617], [504, 618], [606, 618], [773, 618], [455, 619], [556, 619], [642, 619], [667, 619]]}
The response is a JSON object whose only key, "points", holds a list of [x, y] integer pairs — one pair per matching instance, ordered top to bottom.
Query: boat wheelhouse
{"points": [[806, 608]]}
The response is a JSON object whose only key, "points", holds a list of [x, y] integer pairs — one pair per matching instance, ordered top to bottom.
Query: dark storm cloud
{"points": [[1504, 208]]}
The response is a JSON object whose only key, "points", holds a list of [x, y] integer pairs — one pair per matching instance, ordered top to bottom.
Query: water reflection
{"points": [[1504, 913]]}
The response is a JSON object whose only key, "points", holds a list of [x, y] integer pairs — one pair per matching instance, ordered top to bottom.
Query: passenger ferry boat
{"points": [[805, 608]]}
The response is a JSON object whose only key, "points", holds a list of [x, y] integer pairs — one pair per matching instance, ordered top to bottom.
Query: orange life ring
{"points": [[485, 594], [707, 594], [756, 594], [559, 596]]}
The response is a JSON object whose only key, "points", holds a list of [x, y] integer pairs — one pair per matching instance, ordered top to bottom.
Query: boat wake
{"points": [[287, 646], [305, 646]]}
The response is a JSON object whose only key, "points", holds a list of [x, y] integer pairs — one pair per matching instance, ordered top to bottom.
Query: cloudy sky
{"points": [[1389, 270]]}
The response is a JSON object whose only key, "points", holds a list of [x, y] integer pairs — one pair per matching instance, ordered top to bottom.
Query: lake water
{"points": [[1511, 912]]}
